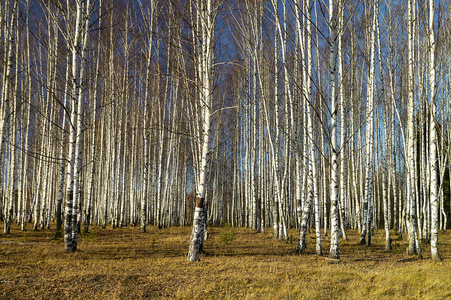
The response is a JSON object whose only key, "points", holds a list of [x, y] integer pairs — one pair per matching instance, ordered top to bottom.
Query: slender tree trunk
{"points": [[341, 98], [411, 135], [334, 251], [435, 255]]}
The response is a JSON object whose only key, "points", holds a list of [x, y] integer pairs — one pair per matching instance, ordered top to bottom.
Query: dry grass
{"points": [[125, 264]]}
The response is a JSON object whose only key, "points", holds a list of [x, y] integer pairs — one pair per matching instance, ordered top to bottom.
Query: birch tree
{"points": [[204, 47], [79, 57], [433, 136], [411, 195], [368, 213], [334, 252]]}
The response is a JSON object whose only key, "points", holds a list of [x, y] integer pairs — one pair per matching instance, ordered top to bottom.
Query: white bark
{"points": [[207, 25], [149, 42], [79, 57], [7, 78], [341, 98], [370, 128], [72, 142], [90, 185], [411, 195], [334, 197], [435, 255]]}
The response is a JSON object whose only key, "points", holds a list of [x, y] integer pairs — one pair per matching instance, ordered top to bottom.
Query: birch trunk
{"points": [[207, 39], [79, 57], [7, 78], [341, 98], [146, 119], [370, 127], [90, 185], [411, 195], [68, 224], [334, 251], [435, 255]]}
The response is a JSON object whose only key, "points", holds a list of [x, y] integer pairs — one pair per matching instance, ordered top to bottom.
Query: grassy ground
{"points": [[238, 263]]}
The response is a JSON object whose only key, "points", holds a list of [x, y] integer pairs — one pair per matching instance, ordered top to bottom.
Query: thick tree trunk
{"points": [[207, 26]]}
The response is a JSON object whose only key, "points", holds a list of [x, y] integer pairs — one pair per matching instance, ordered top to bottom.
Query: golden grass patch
{"points": [[237, 264]]}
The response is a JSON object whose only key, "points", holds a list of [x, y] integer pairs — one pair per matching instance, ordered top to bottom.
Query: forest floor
{"points": [[238, 263]]}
